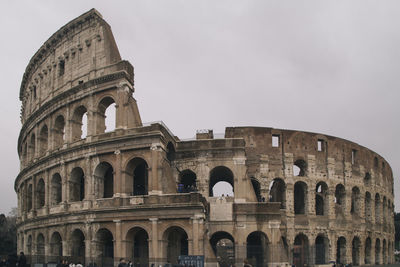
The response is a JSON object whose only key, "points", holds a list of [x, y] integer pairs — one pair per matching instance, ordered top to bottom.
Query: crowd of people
{"points": [[13, 261]]}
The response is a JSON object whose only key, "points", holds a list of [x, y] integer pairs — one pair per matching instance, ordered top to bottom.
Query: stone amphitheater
{"points": [[94, 195]]}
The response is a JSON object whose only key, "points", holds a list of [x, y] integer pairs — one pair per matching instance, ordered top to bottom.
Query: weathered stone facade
{"points": [[140, 192]]}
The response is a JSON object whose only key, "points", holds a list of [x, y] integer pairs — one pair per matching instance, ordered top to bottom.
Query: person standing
{"points": [[22, 260]]}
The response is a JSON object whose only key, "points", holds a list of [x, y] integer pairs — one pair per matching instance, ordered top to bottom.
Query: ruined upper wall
{"points": [[81, 50]]}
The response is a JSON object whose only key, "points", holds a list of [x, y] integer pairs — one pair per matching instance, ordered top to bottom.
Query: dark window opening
{"points": [[61, 68], [34, 91], [170, 152], [353, 156], [140, 179], [187, 182], [77, 185], [277, 192], [300, 193], [177, 244], [321, 245], [223, 246], [257, 249], [300, 250], [341, 250], [355, 251]]}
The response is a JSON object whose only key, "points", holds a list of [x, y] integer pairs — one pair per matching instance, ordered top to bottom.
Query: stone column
{"points": [[155, 151], [118, 251], [155, 254]]}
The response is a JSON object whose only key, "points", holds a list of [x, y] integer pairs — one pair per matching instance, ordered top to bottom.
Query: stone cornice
{"points": [[54, 41], [46, 106]]}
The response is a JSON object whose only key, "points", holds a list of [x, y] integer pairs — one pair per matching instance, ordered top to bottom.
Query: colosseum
{"points": [[94, 194]]}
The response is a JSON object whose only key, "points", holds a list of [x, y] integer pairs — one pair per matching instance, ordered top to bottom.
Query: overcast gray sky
{"points": [[331, 67]]}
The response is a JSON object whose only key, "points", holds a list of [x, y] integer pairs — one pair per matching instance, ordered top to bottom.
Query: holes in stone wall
{"points": [[275, 140], [299, 168], [300, 198]]}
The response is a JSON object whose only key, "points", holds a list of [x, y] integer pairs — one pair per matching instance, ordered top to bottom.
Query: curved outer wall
{"points": [[141, 193]]}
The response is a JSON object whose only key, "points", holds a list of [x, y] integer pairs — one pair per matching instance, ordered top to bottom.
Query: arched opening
{"points": [[106, 115], [79, 123], [59, 131], [43, 140], [32, 147], [170, 152], [24, 158], [299, 168], [137, 169], [218, 175], [104, 179], [367, 179], [188, 182], [77, 185], [56, 189], [257, 189], [277, 192], [40, 194], [29, 197], [300, 198], [340, 199], [355, 201], [321, 203], [368, 207], [377, 209], [384, 210], [177, 243], [223, 245], [29, 246], [77, 246], [138, 246], [55, 247], [105, 248], [257, 249], [300, 250], [321, 250], [341, 250], [355, 251], [377, 251], [40, 253], [367, 258], [384, 259]]}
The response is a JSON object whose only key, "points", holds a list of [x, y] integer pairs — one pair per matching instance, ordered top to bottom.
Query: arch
{"points": [[106, 115], [79, 123], [59, 131], [43, 140], [170, 151], [300, 168], [137, 170], [217, 175], [367, 179], [104, 180], [187, 182], [77, 185], [56, 189], [257, 189], [277, 192], [40, 193], [29, 196], [300, 198], [340, 199], [355, 201], [321, 203], [368, 206], [377, 208], [384, 209], [176, 243], [29, 245], [77, 246], [138, 246], [223, 246], [55, 247], [105, 247], [257, 249], [321, 249], [300, 250], [341, 250], [40, 251], [355, 251], [377, 251], [384, 252], [367, 257]]}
